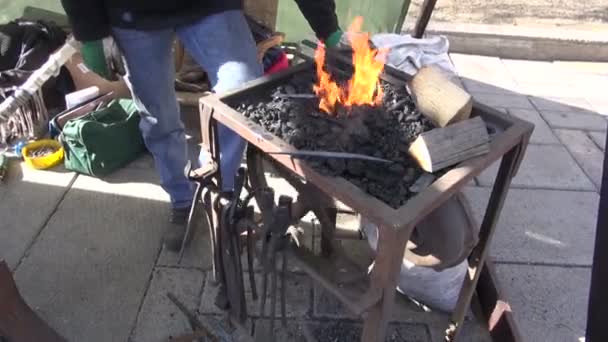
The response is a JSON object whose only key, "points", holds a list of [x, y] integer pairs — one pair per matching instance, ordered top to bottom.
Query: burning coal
{"points": [[364, 86]]}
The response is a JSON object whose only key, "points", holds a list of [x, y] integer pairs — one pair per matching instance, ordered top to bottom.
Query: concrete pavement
{"points": [[544, 242], [87, 254]]}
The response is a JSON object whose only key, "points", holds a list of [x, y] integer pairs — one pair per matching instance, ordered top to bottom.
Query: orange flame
{"points": [[364, 86], [327, 90]]}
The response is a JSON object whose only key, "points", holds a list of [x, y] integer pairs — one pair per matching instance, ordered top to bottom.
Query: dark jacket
{"points": [[92, 19]]}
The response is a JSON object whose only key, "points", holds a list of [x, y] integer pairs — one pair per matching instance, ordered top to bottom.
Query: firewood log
{"points": [[438, 98], [446, 146]]}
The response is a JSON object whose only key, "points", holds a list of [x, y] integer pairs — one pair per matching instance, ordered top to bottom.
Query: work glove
{"points": [[335, 39], [340, 40], [103, 58]]}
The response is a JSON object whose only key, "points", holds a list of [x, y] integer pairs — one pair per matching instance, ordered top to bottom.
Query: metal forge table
{"points": [[372, 298]]}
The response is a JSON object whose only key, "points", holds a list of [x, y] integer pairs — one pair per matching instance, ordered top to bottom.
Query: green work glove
{"points": [[334, 39], [340, 40], [102, 57]]}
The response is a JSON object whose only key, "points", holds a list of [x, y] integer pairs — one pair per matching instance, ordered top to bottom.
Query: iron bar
{"points": [[425, 16], [488, 226]]}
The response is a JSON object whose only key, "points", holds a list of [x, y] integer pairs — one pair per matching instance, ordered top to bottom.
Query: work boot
{"points": [[175, 231]]}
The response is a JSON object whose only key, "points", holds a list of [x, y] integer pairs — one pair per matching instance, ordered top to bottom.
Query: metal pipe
{"points": [[425, 16], [37, 79]]}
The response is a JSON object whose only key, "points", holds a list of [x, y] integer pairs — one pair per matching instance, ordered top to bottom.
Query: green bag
{"points": [[104, 140]]}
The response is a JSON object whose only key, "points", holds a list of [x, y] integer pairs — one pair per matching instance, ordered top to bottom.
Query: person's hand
{"points": [[334, 39], [342, 40], [97, 56]]}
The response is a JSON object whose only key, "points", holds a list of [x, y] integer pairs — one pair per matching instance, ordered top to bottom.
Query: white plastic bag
{"points": [[437, 290]]}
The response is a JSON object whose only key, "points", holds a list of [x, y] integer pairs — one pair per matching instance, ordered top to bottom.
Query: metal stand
{"points": [[372, 298]]}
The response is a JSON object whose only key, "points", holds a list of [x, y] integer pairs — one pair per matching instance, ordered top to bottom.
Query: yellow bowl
{"points": [[45, 162]]}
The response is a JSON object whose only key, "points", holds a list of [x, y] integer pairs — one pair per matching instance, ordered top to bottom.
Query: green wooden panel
{"points": [[12, 9], [379, 16]]}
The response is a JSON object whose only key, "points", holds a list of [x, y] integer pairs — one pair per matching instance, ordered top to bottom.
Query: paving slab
{"points": [[584, 67], [488, 70], [534, 72], [479, 86], [590, 86], [550, 90], [504, 100], [599, 103], [562, 104], [575, 120], [542, 133], [599, 138], [586, 153], [544, 166], [28, 199], [541, 226], [197, 254], [88, 271], [298, 290], [548, 303], [327, 306], [159, 319], [220, 327], [294, 330], [337, 331], [341, 331]]}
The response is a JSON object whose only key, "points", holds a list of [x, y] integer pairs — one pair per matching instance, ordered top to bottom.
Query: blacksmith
{"points": [[215, 33]]}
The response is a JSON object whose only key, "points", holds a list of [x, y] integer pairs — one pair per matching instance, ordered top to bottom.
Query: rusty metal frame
{"points": [[375, 302], [18, 322]]}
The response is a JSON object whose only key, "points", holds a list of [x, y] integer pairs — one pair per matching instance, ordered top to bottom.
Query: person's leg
{"points": [[224, 47], [151, 76]]}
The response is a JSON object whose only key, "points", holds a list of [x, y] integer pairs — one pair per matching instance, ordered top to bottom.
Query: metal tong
{"points": [[232, 211], [277, 220]]}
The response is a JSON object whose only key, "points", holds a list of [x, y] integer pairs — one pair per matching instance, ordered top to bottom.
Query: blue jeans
{"points": [[224, 47]]}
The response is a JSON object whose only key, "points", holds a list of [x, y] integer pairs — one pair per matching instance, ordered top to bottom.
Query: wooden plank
{"points": [[442, 147]]}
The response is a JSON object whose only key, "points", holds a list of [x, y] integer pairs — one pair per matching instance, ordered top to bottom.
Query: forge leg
{"points": [[328, 231], [486, 232], [387, 265]]}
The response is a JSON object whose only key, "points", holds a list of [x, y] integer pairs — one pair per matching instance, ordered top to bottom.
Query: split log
{"points": [[438, 98], [446, 146]]}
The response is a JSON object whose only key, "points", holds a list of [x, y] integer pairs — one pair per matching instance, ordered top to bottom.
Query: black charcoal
{"points": [[385, 131]]}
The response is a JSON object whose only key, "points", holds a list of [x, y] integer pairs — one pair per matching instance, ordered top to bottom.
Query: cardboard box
{"points": [[83, 78]]}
